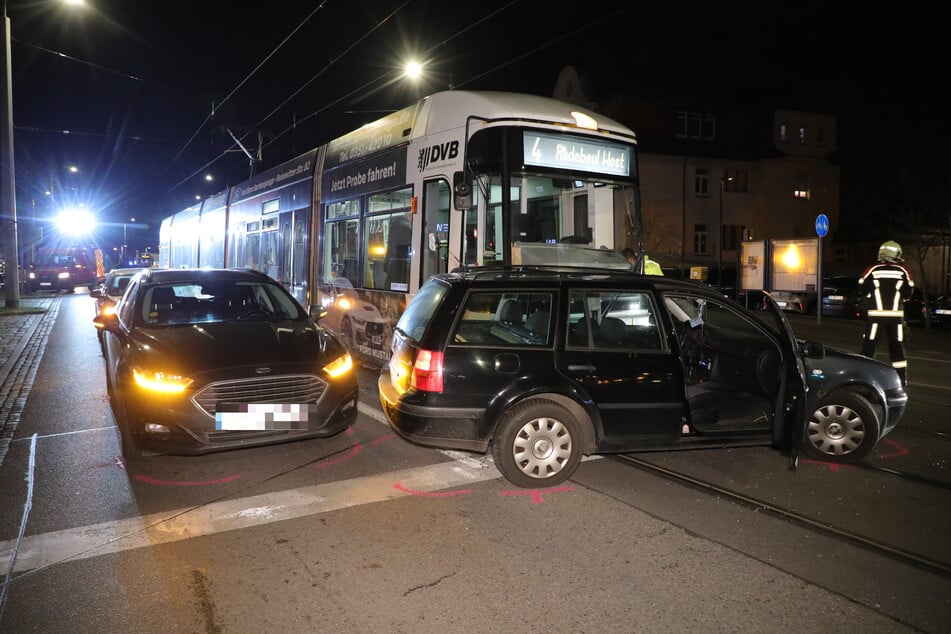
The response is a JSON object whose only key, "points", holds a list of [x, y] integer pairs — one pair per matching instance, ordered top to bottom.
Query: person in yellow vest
{"points": [[650, 266]]}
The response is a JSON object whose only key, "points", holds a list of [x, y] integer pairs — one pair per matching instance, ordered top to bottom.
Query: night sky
{"points": [[143, 97]]}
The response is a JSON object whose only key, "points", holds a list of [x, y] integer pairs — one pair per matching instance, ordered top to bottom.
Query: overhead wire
{"points": [[383, 76], [378, 78], [241, 83], [283, 103]]}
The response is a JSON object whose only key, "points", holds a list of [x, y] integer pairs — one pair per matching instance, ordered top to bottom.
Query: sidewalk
{"points": [[16, 329], [23, 338]]}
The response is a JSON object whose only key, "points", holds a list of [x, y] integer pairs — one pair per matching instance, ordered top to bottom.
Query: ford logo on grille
{"points": [[262, 370]]}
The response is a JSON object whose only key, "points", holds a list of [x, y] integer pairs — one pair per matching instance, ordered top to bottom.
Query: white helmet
{"points": [[890, 252]]}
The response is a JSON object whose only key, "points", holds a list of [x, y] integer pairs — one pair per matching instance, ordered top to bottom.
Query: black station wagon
{"points": [[542, 366]]}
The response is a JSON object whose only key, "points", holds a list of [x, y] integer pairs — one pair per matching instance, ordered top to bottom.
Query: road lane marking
{"points": [[48, 549]]}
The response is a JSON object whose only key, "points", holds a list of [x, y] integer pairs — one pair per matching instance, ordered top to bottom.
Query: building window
{"points": [[681, 124], [695, 125], [709, 127], [783, 133], [802, 135], [701, 182], [801, 189], [731, 236], [700, 239]]}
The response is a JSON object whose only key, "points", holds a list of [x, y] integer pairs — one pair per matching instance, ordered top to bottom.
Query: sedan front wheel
{"points": [[843, 428]]}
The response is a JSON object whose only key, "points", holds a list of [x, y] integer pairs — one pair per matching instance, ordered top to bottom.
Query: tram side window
{"points": [[389, 232], [342, 253]]}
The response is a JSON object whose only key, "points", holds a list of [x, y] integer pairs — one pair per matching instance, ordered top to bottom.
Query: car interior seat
{"points": [[161, 304], [511, 313], [537, 324], [613, 332]]}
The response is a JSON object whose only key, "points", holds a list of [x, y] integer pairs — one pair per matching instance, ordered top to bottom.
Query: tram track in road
{"points": [[789, 515]]}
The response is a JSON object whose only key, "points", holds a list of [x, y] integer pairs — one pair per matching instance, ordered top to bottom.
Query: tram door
{"points": [[437, 201], [294, 253]]}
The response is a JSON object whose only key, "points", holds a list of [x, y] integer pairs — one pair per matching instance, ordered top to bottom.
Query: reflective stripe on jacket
{"points": [[885, 286]]}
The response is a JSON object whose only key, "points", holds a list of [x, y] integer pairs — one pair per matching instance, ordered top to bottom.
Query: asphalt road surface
{"points": [[365, 532]]}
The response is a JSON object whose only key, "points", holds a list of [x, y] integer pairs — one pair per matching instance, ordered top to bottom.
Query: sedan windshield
{"points": [[199, 302]]}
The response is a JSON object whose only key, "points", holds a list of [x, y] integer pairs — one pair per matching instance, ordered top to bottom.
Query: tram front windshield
{"points": [[562, 221]]}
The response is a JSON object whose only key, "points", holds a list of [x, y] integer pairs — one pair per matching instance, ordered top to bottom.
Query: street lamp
{"points": [[723, 182], [8, 203], [124, 263]]}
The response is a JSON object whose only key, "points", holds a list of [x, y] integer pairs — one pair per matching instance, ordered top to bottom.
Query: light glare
{"points": [[75, 222]]}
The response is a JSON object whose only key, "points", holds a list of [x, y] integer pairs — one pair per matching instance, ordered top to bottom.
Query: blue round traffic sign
{"points": [[822, 225]]}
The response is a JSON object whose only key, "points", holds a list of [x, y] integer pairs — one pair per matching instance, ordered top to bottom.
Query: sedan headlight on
{"points": [[339, 366], [158, 381]]}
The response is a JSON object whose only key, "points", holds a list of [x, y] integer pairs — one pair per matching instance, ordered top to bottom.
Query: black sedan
{"points": [[110, 291], [842, 297], [201, 360]]}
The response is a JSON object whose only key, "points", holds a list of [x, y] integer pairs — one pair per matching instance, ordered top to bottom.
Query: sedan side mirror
{"points": [[317, 312], [106, 321], [814, 350]]}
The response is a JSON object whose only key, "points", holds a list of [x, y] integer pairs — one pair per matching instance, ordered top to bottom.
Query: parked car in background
{"points": [[110, 291], [842, 297], [799, 302], [915, 308], [940, 312], [201, 360], [540, 366]]}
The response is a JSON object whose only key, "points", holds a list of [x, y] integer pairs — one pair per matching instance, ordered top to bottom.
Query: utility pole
{"points": [[8, 202]]}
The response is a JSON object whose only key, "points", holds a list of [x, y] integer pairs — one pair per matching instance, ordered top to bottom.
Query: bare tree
{"points": [[914, 214]]}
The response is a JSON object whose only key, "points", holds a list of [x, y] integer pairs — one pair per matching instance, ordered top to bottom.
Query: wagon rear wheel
{"points": [[537, 444]]}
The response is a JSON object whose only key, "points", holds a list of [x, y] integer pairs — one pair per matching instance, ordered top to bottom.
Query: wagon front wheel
{"points": [[843, 428]]}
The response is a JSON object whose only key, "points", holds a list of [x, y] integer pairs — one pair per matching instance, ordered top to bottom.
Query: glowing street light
{"points": [[414, 70], [418, 74]]}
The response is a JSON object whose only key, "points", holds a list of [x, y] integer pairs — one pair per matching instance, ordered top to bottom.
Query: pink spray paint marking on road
{"points": [[383, 439], [899, 450], [536, 493]]}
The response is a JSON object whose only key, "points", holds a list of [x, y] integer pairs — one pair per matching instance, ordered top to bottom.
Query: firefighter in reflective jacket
{"points": [[885, 285]]}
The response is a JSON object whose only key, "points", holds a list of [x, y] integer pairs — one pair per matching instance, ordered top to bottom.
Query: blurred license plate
{"points": [[836, 298], [781, 304], [942, 311], [376, 340], [261, 416]]}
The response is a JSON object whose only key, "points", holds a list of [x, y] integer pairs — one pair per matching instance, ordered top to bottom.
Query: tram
{"points": [[457, 179]]}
